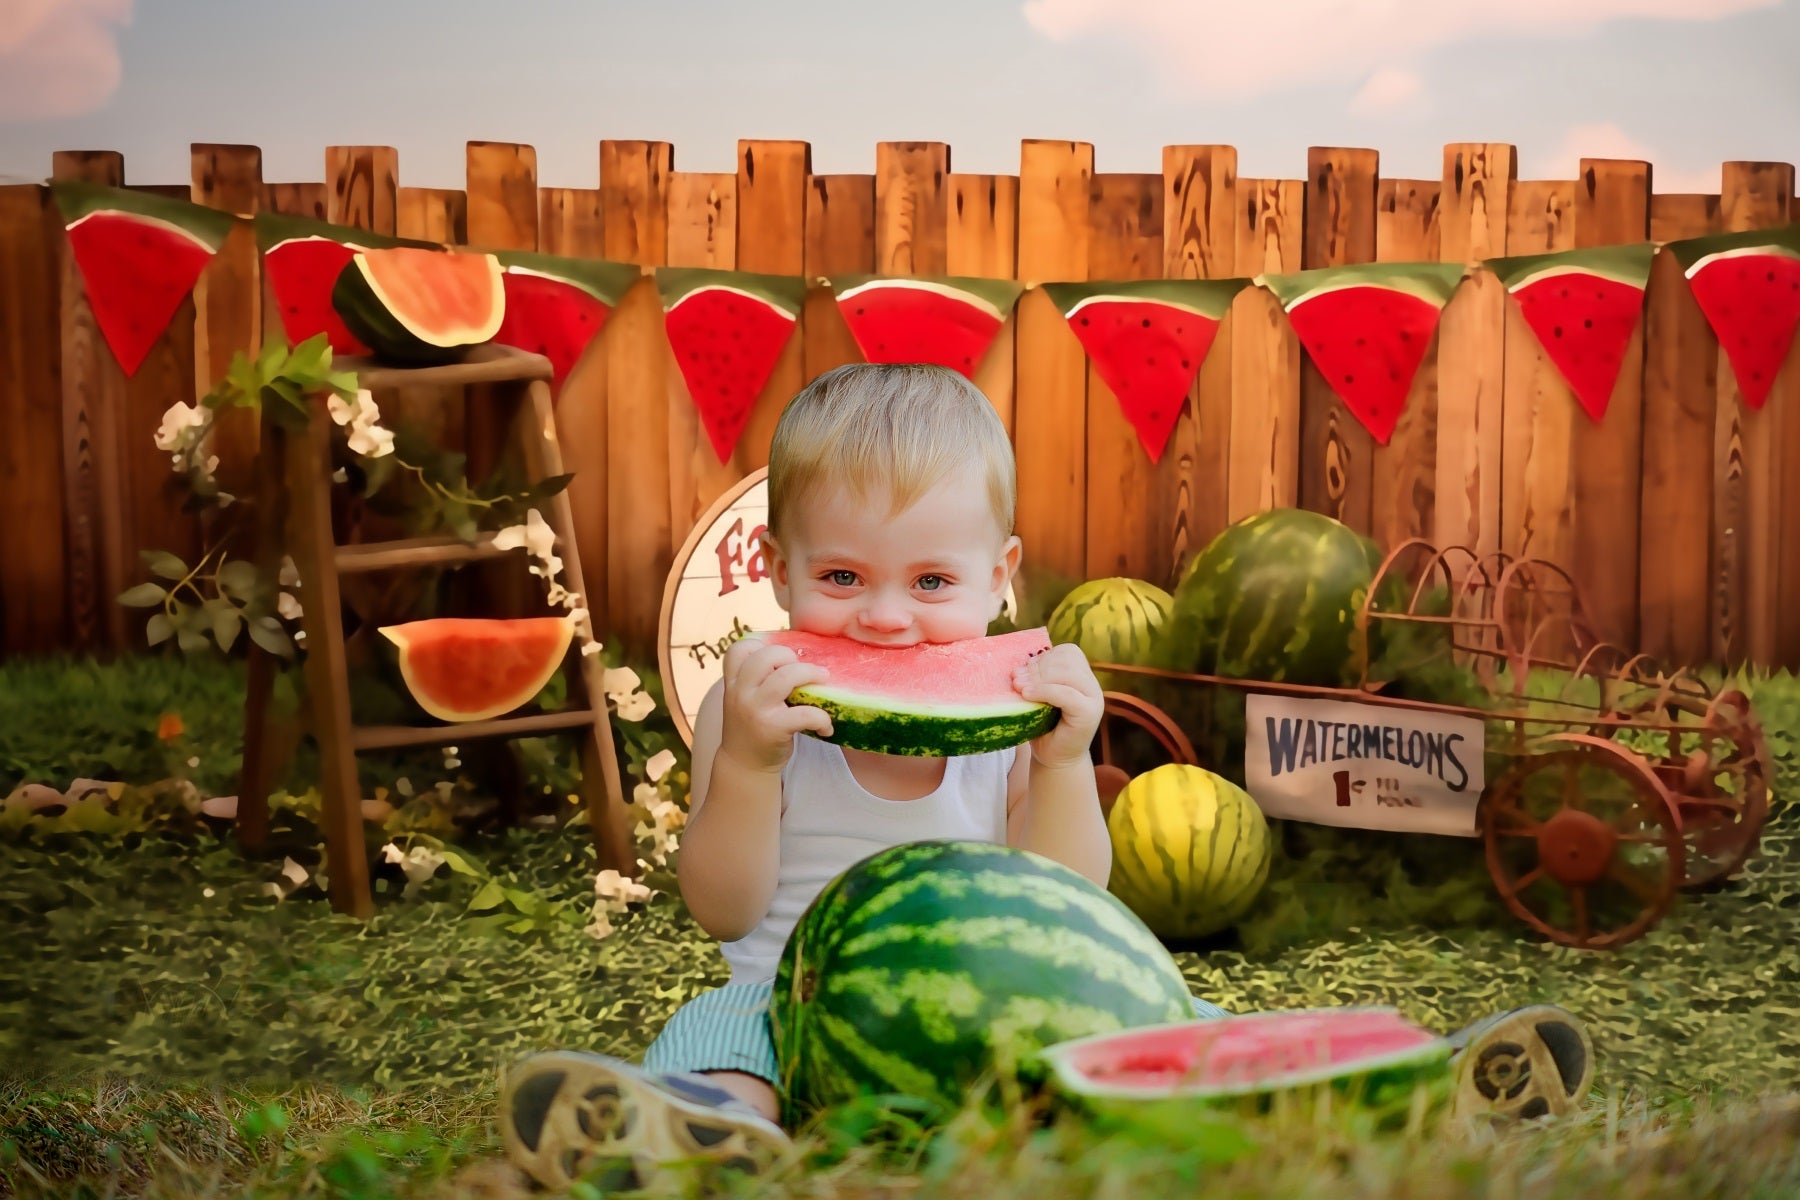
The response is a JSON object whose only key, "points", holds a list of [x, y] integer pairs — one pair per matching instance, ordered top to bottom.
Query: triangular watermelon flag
{"points": [[139, 256], [302, 259], [1748, 285], [557, 306], [1584, 306], [946, 320], [1366, 328], [728, 329], [1147, 339]]}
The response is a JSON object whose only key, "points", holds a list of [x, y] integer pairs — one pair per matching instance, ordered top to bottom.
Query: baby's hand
{"points": [[1061, 676], [758, 724]]}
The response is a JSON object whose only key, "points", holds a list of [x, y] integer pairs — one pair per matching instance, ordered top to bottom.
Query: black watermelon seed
{"points": [[1147, 319], [1084, 320], [1588, 323], [1558, 331], [1349, 379]]}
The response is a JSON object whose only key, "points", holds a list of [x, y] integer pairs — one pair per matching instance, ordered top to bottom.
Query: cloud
{"points": [[1242, 50], [58, 58], [1387, 89], [1603, 139]]}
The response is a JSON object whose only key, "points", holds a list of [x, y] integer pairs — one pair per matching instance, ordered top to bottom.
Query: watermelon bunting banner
{"points": [[139, 256], [302, 259], [1748, 286], [1584, 305], [557, 306], [948, 320], [1366, 327], [727, 329], [1147, 338]]}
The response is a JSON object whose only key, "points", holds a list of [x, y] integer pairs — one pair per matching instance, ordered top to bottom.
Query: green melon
{"points": [[1113, 621], [1191, 850]]}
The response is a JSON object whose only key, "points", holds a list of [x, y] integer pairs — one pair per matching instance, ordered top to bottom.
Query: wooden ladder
{"points": [[294, 498]]}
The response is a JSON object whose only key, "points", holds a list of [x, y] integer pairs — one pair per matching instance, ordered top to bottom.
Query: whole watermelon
{"points": [[1275, 598], [1114, 620], [1191, 850], [929, 963]]}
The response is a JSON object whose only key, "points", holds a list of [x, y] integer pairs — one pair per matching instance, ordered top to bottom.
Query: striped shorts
{"points": [[727, 1029]]}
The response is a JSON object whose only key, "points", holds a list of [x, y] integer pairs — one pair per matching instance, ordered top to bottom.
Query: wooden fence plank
{"points": [[363, 183], [502, 196], [298, 200], [771, 204], [432, 215], [1675, 215], [569, 222], [911, 231], [702, 233], [840, 238], [982, 240], [228, 300], [1265, 354], [1050, 376], [1336, 452], [1404, 485], [1124, 537], [34, 609]]}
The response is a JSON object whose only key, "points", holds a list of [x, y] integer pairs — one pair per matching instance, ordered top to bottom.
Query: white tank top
{"points": [[830, 822]]}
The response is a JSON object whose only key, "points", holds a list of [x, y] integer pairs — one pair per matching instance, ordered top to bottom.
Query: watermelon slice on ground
{"points": [[139, 256], [302, 259], [1748, 285], [557, 306], [1584, 306], [420, 307], [948, 321], [1366, 328], [727, 329], [1147, 339], [470, 669], [934, 699]]}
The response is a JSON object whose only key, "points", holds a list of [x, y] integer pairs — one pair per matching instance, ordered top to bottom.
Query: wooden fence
{"points": [[1679, 515]]}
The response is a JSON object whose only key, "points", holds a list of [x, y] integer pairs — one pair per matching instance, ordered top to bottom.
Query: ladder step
{"points": [[487, 363], [405, 553], [392, 737]]}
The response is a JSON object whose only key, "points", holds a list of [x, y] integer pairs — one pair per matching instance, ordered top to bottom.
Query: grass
{"points": [[162, 1041]]}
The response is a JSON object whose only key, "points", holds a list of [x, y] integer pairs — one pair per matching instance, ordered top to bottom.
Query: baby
{"points": [[891, 493]]}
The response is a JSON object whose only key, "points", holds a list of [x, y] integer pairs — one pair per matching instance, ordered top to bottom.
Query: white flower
{"points": [[341, 411], [367, 412], [179, 422], [371, 441], [212, 464], [340, 476], [535, 536], [290, 574], [287, 606], [588, 648], [620, 681], [635, 707], [659, 764], [643, 794], [611, 885], [600, 927]]}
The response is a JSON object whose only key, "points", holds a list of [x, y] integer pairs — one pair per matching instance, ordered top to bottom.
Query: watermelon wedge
{"points": [[139, 256], [302, 259], [1748, 285], [557, 306], [1584, 306], [420, 307], [949, 321], [1366, 328], [728, 329], [1147, 339], [467, 669], [934, 699]]}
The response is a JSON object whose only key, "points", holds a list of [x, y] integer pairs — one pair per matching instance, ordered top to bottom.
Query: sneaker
{"points": [[1527, 1063], [565, 1113]]}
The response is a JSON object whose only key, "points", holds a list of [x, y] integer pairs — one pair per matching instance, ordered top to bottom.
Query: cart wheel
{"points": [[1135, 736], [1715, 761], [1583, 842]]}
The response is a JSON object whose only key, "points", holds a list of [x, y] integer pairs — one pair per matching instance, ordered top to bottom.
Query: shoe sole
{"points": [[1525, 1064]]}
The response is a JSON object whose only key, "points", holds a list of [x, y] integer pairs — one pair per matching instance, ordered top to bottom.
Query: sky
{"points": [[1685, 84]]}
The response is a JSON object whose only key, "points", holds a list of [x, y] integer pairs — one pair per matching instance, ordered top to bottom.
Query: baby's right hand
{"points": [[758, 724]]}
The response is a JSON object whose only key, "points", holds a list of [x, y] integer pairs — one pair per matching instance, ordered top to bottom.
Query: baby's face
{"points": [[934, 573]]}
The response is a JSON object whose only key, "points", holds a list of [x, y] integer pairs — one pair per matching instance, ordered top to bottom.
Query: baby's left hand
{"points": [[1061, 676]]}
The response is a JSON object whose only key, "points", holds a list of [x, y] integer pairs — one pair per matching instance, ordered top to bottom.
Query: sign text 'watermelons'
{"points": [[1364, 766]]}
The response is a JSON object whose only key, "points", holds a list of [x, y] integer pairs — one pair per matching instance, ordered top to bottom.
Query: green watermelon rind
{"points": [[205, 227], [274, 230], [1694, 254], [1629, 265], [604, 280], [1429, 281], [785, 294], [995, 297], [1209, 298], [368, 315], [861, 721]]}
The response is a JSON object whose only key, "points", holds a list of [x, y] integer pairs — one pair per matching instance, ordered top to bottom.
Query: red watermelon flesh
{"points": [[137, 271], [302, 272], [1752, 302], [550, 317], [897, 321], [1584, 322], [1367, 342], [727, 343], [1148, 353], [471, 669]]}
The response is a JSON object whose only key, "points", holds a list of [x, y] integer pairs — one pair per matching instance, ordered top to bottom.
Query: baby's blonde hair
{"points": [[902, 426]]}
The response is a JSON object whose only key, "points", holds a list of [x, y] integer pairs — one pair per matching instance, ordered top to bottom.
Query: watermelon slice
{"points": [[139, 256], [302, 259], [1748, 285], [557, 306], [1584, 306], [419, 307], [949, 321], [1367, 328], [728, 329], [1147, 339], [466, 669], [934, 699]]}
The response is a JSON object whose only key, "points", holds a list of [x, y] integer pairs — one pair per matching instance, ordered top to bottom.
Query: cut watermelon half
{"points": [[139, 256], [302, 259], [1748, 285], [1584, 305], [558, 306], [420, 307], [948, 321], [1366, 328], [727, 329], [1147, 339], [469, 669], [934, 699]]}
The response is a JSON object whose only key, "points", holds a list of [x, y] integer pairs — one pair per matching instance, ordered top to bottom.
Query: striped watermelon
{"points": [[1113, 621], [1191, 850], [927, 964]]}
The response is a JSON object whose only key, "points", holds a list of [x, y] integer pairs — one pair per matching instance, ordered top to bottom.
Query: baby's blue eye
{"points": [[843, 578], [931, 583]]}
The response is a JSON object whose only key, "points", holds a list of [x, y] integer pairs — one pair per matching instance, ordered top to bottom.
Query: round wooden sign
{"points": [[717, 591]]}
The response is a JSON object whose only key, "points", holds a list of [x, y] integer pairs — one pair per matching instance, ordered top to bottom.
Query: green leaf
{"points": [[310, 363], [549, 486], [164, 564], [237, 578], [143, 595], [226, 621], [158, 629], [267, 633], [191, 641], [461, 865], [488, 896], [525, 902]]}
